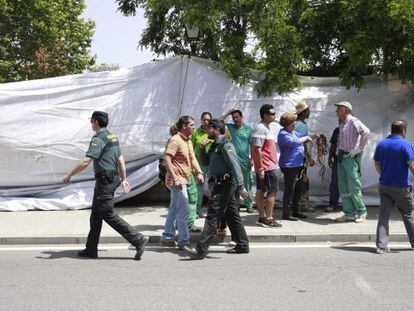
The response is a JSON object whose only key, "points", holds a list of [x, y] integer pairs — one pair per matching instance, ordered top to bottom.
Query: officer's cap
{"points": [[99, 115], [216, 123]]}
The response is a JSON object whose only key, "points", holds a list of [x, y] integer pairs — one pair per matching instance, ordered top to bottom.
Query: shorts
{"points": [[269, 182]]}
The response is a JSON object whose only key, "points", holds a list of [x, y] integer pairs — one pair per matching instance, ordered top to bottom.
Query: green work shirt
{"points": [[197, 137], [241, 139], [104, 150], [223, 160]]}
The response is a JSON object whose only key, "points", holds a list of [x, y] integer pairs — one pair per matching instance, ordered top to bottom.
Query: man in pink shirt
{"points": [[353, 136], [265, 165]]}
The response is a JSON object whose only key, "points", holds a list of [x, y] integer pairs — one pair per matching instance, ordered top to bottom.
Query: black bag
{"points": [[162, 170]]}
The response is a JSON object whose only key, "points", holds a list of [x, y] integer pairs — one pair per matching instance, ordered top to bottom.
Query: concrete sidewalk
{"points": [[71, 227]]}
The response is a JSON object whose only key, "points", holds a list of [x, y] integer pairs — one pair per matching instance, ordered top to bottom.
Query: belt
{"points": [[106, 174]]}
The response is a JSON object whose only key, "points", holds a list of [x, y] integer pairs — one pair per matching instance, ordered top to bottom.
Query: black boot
{"points": [[85, 253]]}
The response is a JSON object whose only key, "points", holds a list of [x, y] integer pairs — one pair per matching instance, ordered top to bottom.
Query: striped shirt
{"points": [[352, 134], [264, 136], [180, 149]]}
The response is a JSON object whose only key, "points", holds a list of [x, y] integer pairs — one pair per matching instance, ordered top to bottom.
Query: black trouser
{"points": [[293, 189], [224, 202], [102, 209]]}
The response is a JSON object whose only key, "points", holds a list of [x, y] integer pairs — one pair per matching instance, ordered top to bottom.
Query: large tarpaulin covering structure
{"points": [[45, 131]]}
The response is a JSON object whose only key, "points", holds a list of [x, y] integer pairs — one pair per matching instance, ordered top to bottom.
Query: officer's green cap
{"points": [[99, 114], [216, 123]]}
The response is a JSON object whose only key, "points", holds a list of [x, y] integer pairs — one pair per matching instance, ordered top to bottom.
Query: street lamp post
{"points": [[192, 34]]}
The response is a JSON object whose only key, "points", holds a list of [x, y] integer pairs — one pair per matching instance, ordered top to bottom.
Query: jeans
{"points": [[333, 187], [178, 211]]}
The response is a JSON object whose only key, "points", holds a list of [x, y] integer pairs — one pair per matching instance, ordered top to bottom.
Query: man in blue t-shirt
{"points": [[394, 159]]}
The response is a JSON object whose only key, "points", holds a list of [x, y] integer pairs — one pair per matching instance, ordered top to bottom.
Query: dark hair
{"points": [[265, 109], [237, 111], [206, 113], [102, 120], [184, 120], [398, 126], [222, 130]]}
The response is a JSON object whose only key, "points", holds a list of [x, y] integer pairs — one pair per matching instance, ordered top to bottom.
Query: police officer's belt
{"points": [[106, 174], [219, 179]]}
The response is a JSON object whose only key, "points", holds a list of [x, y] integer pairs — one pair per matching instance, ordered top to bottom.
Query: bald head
{"points": [[399, 127]]}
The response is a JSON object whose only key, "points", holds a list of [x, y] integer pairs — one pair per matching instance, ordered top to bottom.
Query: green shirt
{"points": [[196, 138], [241, 139], [104, 150], [223, 160]]}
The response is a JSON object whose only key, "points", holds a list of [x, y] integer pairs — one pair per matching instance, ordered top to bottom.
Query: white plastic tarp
{"points": [[45, 129]]}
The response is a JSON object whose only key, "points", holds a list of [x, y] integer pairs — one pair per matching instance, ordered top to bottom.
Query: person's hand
{"points": [[314, 136], [204, 144], [354, 152], [331, 161], [311, 162], [261, 174], [200, 178], [66, 179], [178, 185], [125, 186], [243, 193]]}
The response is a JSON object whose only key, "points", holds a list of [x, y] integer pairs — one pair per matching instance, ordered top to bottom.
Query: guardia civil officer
{"points": [[109, 168], [226, 184]]}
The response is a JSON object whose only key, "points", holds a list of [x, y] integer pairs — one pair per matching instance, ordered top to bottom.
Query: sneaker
{"points": [[330, 209], [344, 218], [360, 218], [262, 222], [273, 223], [194, 229], [169, 243], [382, 250]]}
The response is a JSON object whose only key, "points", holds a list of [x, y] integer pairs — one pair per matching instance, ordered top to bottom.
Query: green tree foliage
{"points": [[43, 38], [284, 38], [103, 67]]}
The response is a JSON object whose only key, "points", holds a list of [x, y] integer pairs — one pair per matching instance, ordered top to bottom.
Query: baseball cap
{"points": [[345, 104]]}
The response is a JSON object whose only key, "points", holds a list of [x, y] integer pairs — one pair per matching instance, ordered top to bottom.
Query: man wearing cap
{"points": [[301, 128], [353, 137], [109, 168], [226, 185]]}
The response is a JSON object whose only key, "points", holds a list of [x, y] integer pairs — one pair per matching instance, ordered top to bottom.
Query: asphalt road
{"points": [[271, 277]]}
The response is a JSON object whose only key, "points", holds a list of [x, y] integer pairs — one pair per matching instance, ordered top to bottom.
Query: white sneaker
{"points": [[344, 218], [360, 218], [382, 250]]}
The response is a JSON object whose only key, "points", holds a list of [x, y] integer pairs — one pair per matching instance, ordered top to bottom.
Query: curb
{"points": [[281, 238]]}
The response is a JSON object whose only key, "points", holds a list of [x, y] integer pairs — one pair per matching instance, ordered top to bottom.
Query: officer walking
{"points": [[109, 168], [226, 184]]}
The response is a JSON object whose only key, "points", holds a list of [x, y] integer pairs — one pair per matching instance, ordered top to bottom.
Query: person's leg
{"points": [[289, 175], [248, 183], [270, 186], [299, 186], [355, 186], [333, 187], [200, 191], [192, 193], [303, 196], [260, 203], [269, 204], [405, 204], [386, 206], [348, 207], [216, 210], [182, 216], [234, 221], [95, 222], [169, 229]]}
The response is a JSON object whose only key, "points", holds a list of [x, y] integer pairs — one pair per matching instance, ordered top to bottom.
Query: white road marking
{"points": [[214, 247]]}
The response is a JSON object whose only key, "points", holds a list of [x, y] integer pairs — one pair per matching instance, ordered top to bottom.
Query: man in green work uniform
{"points": [[241, 135], [201, 142], [109, 168], [226, 184]]}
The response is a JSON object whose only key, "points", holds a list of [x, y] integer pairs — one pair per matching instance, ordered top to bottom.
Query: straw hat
{"points": [[301, 106]]}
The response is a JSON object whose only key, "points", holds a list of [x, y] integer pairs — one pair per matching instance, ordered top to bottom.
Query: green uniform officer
{"points": [[109, 168], [226, 184]]}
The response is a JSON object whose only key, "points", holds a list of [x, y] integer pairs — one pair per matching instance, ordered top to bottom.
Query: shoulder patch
{"points": [[112, 138]]}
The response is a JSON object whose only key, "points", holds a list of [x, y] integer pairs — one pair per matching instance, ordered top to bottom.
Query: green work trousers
{"points": [[246, 169], [349, 184], [200, 190], [192, 201]]}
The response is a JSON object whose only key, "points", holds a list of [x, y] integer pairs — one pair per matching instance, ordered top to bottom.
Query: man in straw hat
{"points": [[302, 112], [353, 137]]}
